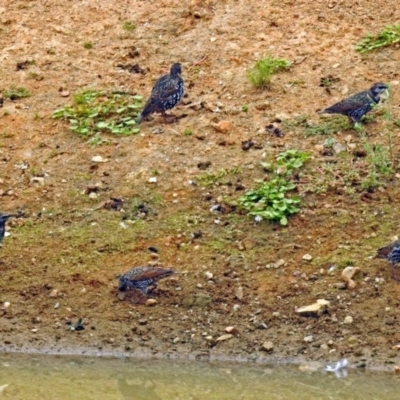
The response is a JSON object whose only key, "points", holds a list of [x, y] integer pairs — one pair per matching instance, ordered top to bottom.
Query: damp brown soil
{"points": [[62, 258]]}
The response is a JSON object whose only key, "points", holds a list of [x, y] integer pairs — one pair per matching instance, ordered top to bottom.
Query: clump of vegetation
{"points": [[129, 26], [388, 36], [88, 45], [260, 75], [15, 93], [95, 112], [328, 126], [188, 132], [220, 177], [270, 200]]}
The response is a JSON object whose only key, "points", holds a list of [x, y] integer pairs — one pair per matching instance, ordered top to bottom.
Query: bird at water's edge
{"points": [[166, 94], [357, 105], [392, 253], [142, 278]]}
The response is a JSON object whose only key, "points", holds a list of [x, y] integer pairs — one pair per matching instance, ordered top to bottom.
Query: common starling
{"points": [[166, 94], [356, 106], [3, 220], [392, 253], [143, 277]]}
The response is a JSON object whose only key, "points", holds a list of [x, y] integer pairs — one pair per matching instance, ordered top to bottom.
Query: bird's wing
{"points": [[164, 87], [345, 106], [151, 274]]}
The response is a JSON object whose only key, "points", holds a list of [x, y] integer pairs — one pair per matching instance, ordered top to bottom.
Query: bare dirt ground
{"points": [[61, 260]]}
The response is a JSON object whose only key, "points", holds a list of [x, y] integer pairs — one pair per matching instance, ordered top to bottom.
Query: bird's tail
{"points": [[140, 119]]}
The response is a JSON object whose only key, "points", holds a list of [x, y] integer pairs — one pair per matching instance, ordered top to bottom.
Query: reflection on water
{"points": [[62, 377]]}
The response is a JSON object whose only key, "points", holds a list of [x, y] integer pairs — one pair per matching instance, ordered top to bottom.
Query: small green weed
{"points": [[129, 26], [388, 36], [88, 45], [260, 75], [15, 93], [245, 108], [97, 112], [188, 132], [210, 179], [270, 199]]}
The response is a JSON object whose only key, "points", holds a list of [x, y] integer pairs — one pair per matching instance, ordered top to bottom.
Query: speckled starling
{"points": [[166, 94], [356, 106], [3, 220], [392, 253], [143, 277]]}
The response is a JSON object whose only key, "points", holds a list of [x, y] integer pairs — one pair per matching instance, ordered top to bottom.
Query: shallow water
{"points": [[65, 377]]}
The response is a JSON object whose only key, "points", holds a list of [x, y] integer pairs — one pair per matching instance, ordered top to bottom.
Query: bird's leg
{"points": [[169, 118]]}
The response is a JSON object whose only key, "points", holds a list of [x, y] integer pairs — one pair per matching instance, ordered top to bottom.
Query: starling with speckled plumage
{"points": [[166, 94], [356, 106], [3, 220], [392, 253], [142, 278]]}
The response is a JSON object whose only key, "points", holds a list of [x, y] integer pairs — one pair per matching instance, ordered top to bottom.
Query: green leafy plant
{"points": [[388, 36], [88, 45], [260, 75], [15, 93], [245, 108], [97, 112], [188, 132], [270, 200]]}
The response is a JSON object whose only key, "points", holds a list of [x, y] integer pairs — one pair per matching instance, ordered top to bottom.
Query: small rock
{"points": [[64, 93], [223, 126], [338, 148], [99, 159], [152, 179], [38, 180], [307, 257], [209, 275], [347, 275], [340, 285], [53, 293], [239, 293], [151, 302], [6, 305], [57, 305], [236, 307], [314, 310], [276, 314], [348, 320], [142, 321], [34, 330], [232, 330], [224, 337], [309, 339], [176, 340], [268, 347], [324, 347], [396, 369]]}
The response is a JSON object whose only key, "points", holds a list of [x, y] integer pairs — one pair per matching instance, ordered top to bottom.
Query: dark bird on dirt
{"points": [[166, 94], [356, 106], [3, 220], [392, 253], [142, 278]]}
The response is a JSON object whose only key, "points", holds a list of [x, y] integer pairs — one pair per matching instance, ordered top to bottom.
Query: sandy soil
{"points": [[61, 260]]}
